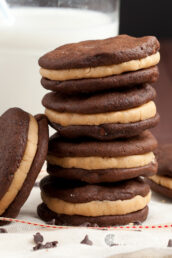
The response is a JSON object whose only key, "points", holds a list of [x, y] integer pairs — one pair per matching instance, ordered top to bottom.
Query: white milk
{"points": [[35, 32]]}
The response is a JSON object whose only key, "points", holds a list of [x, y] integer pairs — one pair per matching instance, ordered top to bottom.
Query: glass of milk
{"points": [[37, 27]]}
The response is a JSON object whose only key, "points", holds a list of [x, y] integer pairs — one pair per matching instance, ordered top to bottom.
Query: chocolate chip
{"points": [[36, 184], [51, 222], [137, 223], [85, 224], [88, 224], [95, 225], [3, 230], [38, 238], [109, 240], [86, 241], [169, 243], [51, 244], [114, 244], [45, 246], [38, 247]]}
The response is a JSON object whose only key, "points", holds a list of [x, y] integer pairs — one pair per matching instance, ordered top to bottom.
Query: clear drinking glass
{"points": [[35, 27]]}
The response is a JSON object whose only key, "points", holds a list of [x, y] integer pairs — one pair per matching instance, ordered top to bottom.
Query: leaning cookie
{"points": [[103, 116], [23, 149], [95, 162], [162, 182], [75, 202]]}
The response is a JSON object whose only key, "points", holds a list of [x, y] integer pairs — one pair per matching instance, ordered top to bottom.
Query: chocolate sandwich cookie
{"points": [[100, 58], [114, 82], [103, 116], [23, 149], [96, 162], [162, 182], [75, 202]]}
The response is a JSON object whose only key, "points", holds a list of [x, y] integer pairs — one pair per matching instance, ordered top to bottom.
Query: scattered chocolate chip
{"points": [[36, 184], [51, 222], [137, 223], [85, 224], [88, 224], [95, 225], [3, 230], [137, 230], [38, 238], [109, 240], [86, 241], [169, 243], [51, 244], [114, 244], [45, 246], [38, 247]]}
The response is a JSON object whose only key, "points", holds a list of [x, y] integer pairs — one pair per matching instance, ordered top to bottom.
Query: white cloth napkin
{"points": [[18, 242]]}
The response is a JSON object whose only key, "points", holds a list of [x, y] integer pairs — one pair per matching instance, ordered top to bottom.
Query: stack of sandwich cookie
{"points": [[102, 105], [125, 105], [23, 149], [162, 182]]}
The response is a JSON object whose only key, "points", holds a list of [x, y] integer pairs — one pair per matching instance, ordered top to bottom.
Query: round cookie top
{"points": [[93, 53], [100, 102], [14, 125], [141, 144], [164, 157], [80, 192]]}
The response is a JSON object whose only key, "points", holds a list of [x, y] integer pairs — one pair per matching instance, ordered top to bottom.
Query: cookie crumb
{"points": [[86, 241]]}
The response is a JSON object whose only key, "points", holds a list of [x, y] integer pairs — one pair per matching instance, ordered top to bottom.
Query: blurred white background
{"points": [[29, 29]]}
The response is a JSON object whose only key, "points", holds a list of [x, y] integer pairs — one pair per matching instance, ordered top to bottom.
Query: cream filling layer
{"points": [[101, 71], [132, 115], [91, 163], [21, 173], [162, 180], [97, 208]]}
